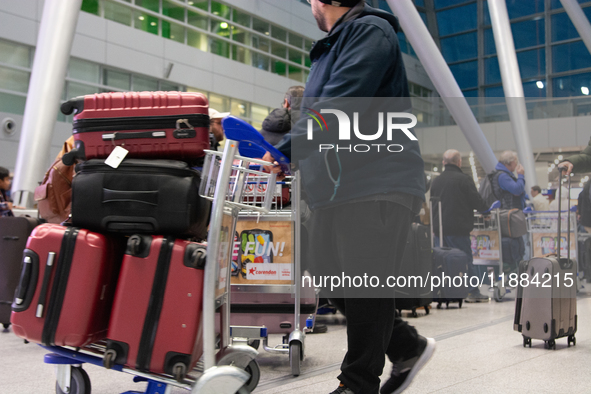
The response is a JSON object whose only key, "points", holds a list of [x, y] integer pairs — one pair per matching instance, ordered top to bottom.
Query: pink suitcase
{"points": [[150, 125]]}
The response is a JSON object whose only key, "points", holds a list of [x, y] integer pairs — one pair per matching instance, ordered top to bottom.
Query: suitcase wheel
{"points": [[460, 303], [439, 305], [447, 305], [427, 309], [414, 312], [5, 325], [572, 339], [526, 341], [551, 344], [109, 358], [179, 371], [79, 383]]}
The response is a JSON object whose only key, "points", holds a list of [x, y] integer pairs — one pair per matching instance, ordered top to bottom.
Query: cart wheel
{"points": [[497, 294], [460, 303], [427, 309], [414, 312], [6, 325], [524, 341], [529, 342], [254, 343], [551, 344], [295, 357], [109, 358], [179, 371], [255, 375], [80, 383]]}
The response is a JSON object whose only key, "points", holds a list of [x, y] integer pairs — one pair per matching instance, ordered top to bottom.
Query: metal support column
{"points": [[579, 19], [54, 43], [443, 79], [513, 87]]}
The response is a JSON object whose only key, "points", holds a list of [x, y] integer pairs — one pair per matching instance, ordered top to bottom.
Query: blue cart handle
{"points": [[252, 143], [495, 205]]}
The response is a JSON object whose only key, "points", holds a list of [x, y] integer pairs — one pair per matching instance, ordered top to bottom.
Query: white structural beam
{"points": [[579, 19], [54, 43], [443, 79], [513, 87]]}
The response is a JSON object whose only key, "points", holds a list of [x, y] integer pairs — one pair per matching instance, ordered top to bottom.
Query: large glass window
{"points": [[447, 3], [201, 4], [555, 4], [152, 5], [90, 6], [518, 8], [173, 10], [220, 10], [117, 13], [241, 18], [197, 20], [456, 20], [146, 22], [260, 26], [220, 28], [563, 28], [173, 31], [278, 33], [528, 33], [239, 35], [197, 40], [295, 40], [489, 42], [219, 47], [462, 47], [278, 49], [14, 54], [241, 54], [570, 56], [260, 61], [532, 63], [83, 70], [492, 72], [466, 74], [116, 79], [15, 80], [142, 84], [574, 85], [77, 89], [534, 89], [12, 103], [219, 103], [239, 108], [258, 115]]}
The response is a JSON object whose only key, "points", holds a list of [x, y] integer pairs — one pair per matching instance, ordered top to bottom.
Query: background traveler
{"points": [[279, 121], [217, 136], [459, 198], [540, 202]]}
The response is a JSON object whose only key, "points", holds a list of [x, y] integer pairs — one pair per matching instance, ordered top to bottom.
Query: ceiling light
{"points": [[141, 17], [153, 23], [224, 25], [540, 84], [585, 90], [560, 157], [556, 161], [435, 169]]}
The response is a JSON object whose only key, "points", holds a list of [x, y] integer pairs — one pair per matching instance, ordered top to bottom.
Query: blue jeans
{"points": [[465, 245]]}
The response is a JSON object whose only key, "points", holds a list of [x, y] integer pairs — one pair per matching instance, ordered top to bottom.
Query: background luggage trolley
{"points": [[487, 247], [266, 293], [232, 368]]}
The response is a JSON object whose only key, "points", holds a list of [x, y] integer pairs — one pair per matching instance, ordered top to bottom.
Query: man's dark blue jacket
{"points": [[360, 57]]}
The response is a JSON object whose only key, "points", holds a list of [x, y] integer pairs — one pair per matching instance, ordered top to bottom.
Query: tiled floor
{"points": [[477, 352]]}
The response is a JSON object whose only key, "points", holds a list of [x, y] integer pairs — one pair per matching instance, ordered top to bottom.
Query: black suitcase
{"points": [[140, 196], [14, 232], [584, 257], [416, 261], [449, 263]]}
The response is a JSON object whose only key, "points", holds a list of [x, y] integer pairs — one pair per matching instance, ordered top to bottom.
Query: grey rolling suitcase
{"points": [[14, 232], [549, 303]]}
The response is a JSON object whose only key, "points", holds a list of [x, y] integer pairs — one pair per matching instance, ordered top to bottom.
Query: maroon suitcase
{"points": [[150, 125], [66, 287], [156, 320]]}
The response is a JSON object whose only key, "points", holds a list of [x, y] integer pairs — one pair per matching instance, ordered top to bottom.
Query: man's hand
{"points": [[567, 165], [275, 168], [520, 170]]}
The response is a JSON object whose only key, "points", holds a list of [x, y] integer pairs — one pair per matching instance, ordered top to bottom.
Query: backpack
{"points": [[486, 189], [54, 195]]}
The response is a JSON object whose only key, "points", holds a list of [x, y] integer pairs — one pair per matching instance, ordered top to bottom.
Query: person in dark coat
{"points": [[278, 123], [459, 198], [362, 205]]}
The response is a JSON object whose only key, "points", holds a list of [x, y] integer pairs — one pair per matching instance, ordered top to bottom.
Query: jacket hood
{"points": [[276, 125], [501, 167]]}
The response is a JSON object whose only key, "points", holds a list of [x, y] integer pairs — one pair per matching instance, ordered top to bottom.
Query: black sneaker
{"points": [[403, 372], [342, 389]]}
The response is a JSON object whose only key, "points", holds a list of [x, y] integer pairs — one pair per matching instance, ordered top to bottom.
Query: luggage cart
{"points": [[487, 247], [289, 272], [232, 368]]}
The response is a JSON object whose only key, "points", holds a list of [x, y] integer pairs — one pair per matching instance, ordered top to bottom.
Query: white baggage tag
{"points": [[116, 157]]}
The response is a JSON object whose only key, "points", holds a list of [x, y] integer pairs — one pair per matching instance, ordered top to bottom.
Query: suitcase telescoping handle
{"points": [[252, 143], [438, 200], [559, 238]]}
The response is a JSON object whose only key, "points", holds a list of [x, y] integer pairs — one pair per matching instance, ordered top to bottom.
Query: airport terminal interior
{"points": [[477, 85]]}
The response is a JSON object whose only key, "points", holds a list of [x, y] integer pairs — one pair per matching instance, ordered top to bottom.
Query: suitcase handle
{"points": [[238, 130], [134, 135], [145, 197], [11, 238], [27, 283], [44, 288]]}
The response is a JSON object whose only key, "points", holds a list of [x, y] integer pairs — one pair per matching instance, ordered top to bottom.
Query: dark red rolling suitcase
{"points": [[151, 125], [13, 238], [66, 288], [156, 320]]}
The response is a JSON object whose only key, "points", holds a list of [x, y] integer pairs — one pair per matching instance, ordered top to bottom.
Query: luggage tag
{"points": [[116, 157]]}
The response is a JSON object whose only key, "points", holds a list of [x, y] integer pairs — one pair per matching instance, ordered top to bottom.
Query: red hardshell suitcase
{"points": [[150, 125], [66, 288], [156, 320]]}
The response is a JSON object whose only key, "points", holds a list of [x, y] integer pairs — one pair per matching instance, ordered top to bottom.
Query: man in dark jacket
{"points": [[279, 121], [459, 198], [362, 204]]}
